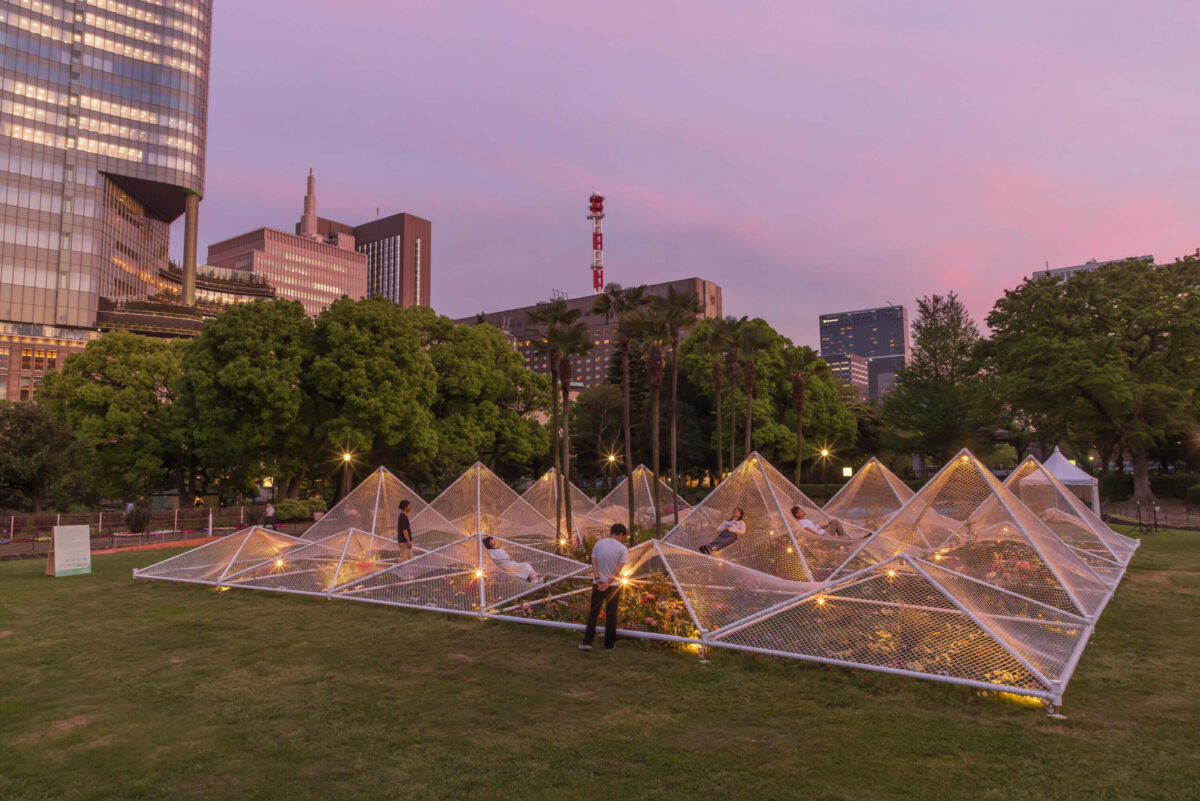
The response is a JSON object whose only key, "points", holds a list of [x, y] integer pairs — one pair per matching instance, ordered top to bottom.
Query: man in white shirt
{"points": [[832, 528], [727, 533], [609, 557]]}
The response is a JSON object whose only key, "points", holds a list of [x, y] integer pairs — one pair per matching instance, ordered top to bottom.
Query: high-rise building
{"points": [[102, 145], [398, 258], [316, 265], [878, 335], [592, 369]]}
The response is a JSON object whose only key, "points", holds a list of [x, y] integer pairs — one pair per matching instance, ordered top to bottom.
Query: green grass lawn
{"points": [[116, 689]]}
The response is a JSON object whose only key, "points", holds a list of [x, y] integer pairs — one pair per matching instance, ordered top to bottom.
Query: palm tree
{"points": [[620, 303], [682, 311], [547, 315], [651, 326], [732, 331], [569, 340], [753, 342], [714, 348], [799, 363]]}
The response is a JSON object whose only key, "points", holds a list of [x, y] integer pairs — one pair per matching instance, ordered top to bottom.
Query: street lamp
{"points": [[825, 470]]}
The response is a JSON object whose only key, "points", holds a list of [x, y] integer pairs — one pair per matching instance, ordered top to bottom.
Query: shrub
{"points": [[1173, 485], [1116, 487], [1193, 494], [291, 511], [137, 517]]}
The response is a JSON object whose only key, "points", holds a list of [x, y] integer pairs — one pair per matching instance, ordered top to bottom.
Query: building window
{"points": [[26, 359], [39, 360], [3, 361], [26, 388]]}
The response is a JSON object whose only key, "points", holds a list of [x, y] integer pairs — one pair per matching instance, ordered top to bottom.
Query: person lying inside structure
{"points": [[833, 528], [727, 533], [499, 556]]}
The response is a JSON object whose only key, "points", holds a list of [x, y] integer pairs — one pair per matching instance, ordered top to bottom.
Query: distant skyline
{"points": [[809, 158]]}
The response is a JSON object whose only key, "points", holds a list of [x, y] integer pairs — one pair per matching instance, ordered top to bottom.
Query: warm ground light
{"points": [[115, 689]]}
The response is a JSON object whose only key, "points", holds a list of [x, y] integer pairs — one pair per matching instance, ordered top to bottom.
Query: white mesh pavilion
{"points": [[542, 495], [870, 497], [479, 502], [374, 505], [614, 507], [965, 520], [1071, 520], [773, 543], [212, 562], [317, 567], [460, 577], [911, 617]]}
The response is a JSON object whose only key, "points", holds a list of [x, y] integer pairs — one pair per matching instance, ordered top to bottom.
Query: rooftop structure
{"points": [[1064, 273]]}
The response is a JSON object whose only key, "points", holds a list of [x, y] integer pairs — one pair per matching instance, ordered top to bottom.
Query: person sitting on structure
{"points": [[833, 528], [727, 533], [521, 570]]}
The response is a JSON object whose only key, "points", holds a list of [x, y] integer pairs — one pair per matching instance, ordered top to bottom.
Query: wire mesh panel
{"points": [[543, 495], [872, 495], [479, 502], [372, 506], [614, 507], [1066, 515], [966, 520], [430, 530], [211, 562], [320, 566], [450, 577], [718, 593], [891, 617], [1045, 637]]}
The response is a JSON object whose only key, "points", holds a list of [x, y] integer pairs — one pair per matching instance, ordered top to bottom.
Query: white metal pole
{"points": [[177, 517], [210, 524], [479, 536]]}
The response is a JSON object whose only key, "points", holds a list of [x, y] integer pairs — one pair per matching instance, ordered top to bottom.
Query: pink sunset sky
{"points": [[808, 157]]}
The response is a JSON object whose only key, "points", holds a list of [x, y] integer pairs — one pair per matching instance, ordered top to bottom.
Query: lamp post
{"points": [[346, 458], [825, 471]]}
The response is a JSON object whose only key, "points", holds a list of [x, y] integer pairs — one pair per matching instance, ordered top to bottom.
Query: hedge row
{"points": [[1119, 487], [294, 511]]}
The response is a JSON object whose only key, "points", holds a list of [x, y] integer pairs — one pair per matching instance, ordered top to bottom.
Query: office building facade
{"points": [[103, 109], [398, 258], [878, 335], [592, 369]]}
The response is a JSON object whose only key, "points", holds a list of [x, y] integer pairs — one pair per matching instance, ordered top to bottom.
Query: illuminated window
{"points": [[26, 359], [39, 360], [3, 362], [26, 388]]}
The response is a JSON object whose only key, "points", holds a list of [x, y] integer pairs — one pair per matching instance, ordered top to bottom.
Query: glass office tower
{"points": [[102, 140]]}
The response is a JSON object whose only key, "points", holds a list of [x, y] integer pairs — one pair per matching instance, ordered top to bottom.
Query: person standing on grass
{"points": [[269, 515], [404, 532], [609, 557]]}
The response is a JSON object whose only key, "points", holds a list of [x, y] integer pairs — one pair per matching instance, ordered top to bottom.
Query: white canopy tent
{"points": [[1085, 486]]}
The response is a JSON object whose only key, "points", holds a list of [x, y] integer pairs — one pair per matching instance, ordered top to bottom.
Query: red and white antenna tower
{"points": [[597, 215]]}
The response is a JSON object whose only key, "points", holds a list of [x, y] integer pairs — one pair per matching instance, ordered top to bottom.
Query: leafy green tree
{"points": [[651, 327], [730, 332], [568, 340], [756, 341], [1108, 354], [371, 381], [242, 386], [114, 395], [937, 396], [596, 423], [38, 452]]}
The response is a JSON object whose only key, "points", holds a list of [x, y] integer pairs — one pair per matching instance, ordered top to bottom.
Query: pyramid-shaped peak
{"points": [[871, 495], [479, 502], [372, 506], [614, 507], [1067, 515], [964, 519], [774, 541], [213, 562]]}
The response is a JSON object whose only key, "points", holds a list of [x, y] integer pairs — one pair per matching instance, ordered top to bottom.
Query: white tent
{"points": [[1085, 486]]}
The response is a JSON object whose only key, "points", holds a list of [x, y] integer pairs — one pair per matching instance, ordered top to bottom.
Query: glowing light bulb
{"points": [[345, 457], [965, 459], [562, 542], [790, 549], [937, 556], [278, 563], [891, 572], [478, 574], [624, 581], [820, 601]]}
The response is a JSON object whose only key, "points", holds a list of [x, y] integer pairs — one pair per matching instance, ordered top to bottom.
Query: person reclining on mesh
{"points": [[833, 528], [727, 533], [521, 570]]}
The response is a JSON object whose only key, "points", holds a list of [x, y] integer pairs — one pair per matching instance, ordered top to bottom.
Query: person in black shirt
{"points": [[404, 532]]}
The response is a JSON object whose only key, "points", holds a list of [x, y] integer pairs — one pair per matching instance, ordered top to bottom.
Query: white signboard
{"points": [[70, 551]]}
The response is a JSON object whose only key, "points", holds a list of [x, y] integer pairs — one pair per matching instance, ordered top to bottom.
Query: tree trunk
{"points": [[718, 392], [798, 401], [749, 404], [733, 416], [654, 425], [675, 431], [628, 434], [554, 446], [1141, 472], [564, 494], [36, 497]]}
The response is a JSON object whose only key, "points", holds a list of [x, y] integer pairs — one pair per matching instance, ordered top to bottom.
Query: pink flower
{"points": [[650, 621]]}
